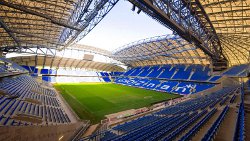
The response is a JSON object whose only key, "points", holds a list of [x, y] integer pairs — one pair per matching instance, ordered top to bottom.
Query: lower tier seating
{"points": [[24, 101], [177, 122], [240, 123], [212, 131]]}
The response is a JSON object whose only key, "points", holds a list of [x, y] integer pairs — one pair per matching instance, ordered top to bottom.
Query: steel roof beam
{"points": [[32, 12], [89, 21], [192, 24], [6, 28], [37, 36], [215, 39], [44, 58]]}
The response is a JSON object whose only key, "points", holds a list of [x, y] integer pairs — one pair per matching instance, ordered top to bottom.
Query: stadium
{"points": [[190, 83]]}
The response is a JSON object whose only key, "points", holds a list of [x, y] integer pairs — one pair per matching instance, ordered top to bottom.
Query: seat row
{"points": [[9, 66], [237, 70], [176, 72], [24, 82], [24, 92], [39, 102], [142, 121], [198, 126], [212, 131], [239, 134]]}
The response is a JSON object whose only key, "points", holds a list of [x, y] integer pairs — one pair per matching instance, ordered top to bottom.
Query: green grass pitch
{"points": [[92, 101]]}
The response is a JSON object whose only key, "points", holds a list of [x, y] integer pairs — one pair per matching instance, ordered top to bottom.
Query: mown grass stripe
{"points": [[93, 101]]}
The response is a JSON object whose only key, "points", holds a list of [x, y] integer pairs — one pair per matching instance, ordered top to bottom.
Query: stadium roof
{"points": [[226, 20], [231, 20], [53, 23], [217, 28], [91, 49], [169, 49], [63, 62]]}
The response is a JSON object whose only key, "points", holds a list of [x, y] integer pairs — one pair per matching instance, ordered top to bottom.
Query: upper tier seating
{"points": [[31, 69], [236, 70], [136, 71], [145, 71], [155, 71], [167, 72], [175, 72], [182, 72], [116, 73], [127, 73], [200, 73], [243, 73], [105, 76], [214, 78], [106, 79], [180, 79]]}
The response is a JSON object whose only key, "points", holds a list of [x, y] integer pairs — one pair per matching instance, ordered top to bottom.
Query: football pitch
{"points": [[92, 101]]}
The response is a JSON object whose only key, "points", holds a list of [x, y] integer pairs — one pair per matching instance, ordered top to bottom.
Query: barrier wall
{"points": [[40, 133]]}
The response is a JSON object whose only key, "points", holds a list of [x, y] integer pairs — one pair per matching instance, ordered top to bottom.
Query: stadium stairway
{"points": [[155, 71], [182, 72], [159, 73], [191, 74], [105, 76], [214, 78], [247, 113], [226, 130]]}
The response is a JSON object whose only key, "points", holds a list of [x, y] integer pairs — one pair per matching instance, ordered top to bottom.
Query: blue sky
{"points": [[122, 26]]}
